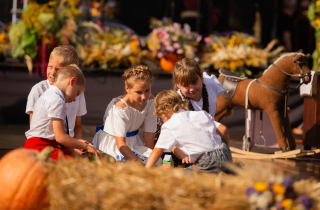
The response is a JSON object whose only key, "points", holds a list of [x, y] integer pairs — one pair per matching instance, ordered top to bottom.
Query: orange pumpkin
{"points": [[167, 62], [23, 180]]}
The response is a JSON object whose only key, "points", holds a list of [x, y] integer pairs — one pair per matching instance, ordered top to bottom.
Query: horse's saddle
{"points": [[230, 82]]}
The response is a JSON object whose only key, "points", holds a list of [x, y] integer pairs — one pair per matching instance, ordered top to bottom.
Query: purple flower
{"points": [[187, 28], [198, 38], [176, 45], [170, 48], [180, 51], [287, 182], [249, 191], [305, 201]]}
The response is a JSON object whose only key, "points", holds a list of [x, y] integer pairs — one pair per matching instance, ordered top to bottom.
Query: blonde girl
{"points": [[125, 115], [193, 137]]}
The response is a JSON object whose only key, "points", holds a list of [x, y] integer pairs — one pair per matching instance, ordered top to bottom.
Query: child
{"points": [[61, 56], [199, 89], [125, 115], [47, 126], [191, 136]]}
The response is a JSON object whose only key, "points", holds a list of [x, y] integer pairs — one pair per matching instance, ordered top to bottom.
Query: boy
{"points": [[61, 56], [47, 124]]}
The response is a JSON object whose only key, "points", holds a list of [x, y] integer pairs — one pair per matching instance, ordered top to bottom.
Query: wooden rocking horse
{"points": [[269, 93]]}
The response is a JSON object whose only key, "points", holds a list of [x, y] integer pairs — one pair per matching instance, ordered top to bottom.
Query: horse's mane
{"points": [[281, 57]]}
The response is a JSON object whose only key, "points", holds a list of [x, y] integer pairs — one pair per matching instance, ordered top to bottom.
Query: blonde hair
{"points": [[66, 55], [71, 71], [186, 71], [133, 74], [168, 101]]}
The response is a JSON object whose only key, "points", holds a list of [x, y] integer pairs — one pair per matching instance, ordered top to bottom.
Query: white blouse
{"points": [[192, 132]]}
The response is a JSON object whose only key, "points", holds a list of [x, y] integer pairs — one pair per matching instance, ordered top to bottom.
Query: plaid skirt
{"points": [[212, 161]]}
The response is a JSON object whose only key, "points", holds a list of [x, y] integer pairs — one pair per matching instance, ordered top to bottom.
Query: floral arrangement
{"points": [[314, 18], [53, 23], [171, 41], [107, 48], [237, 52], [277, 196]]}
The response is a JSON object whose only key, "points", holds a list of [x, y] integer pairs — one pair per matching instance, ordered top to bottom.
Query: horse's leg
{"points": [[223, 113], [277, 121], [290, 139]]}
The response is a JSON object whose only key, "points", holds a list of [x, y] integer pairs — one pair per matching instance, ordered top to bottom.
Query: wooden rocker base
{"points": [[240, 154]]}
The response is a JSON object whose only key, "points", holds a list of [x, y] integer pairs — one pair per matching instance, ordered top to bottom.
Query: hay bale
{"points": [[80, 184]]}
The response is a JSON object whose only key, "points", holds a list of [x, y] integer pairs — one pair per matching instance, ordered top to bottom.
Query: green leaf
{"points": [[27, 39]]}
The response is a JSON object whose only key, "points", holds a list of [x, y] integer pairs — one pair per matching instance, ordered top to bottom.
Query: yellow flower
{"points": [[318, 3], [317, 22], [3, 38], [250, 40], [231, 43], [134, 44], [150, 45], [319, 46], [215, 47], [232, 65], [261, 186], [279, 189], [286, 203]]}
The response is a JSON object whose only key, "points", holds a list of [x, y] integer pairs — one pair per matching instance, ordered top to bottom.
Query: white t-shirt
{"points": [[214, 89], [50, 105], [74, 109], [193, 132]]}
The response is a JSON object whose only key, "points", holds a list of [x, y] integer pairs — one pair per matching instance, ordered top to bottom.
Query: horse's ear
{"points": [[308, 56]]}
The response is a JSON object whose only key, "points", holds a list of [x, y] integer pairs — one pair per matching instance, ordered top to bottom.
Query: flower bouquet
{"points": [[314, 18], [51, 22], [169, 42], [107, 47], [237, 52]]}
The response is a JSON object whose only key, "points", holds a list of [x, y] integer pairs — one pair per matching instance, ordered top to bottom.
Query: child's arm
{"points": [[30, 115], [78, 128], [224, 133], [149, 139], [68, 141], [124, 149], [179, 154], [154, 157]]}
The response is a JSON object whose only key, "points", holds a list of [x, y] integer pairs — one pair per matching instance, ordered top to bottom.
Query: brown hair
{"points": [[66, 55], [71, 71], [187, 71], [131, 75], [168, 101]]}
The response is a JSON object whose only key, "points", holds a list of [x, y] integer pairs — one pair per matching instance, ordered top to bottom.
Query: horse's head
{"points": [[301, 68]]}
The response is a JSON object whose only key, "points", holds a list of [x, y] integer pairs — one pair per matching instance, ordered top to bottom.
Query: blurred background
{"points": [[111, 35]]}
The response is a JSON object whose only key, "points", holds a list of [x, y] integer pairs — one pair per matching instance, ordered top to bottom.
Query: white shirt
{"points": [[214, 89], [50, 105], [74, 109], [193, 132]]}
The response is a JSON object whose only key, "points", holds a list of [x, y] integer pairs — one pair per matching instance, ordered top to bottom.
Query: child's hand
{"points": [[91, 149], [80, 152], [186, 160]]}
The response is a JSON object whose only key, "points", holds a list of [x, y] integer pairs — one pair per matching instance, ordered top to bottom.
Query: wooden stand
{"points": [[311, 116]]}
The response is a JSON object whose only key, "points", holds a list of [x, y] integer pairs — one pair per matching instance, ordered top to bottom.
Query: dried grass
{"points": [[80, 184]]}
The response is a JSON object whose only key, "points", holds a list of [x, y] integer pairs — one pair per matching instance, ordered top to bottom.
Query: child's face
{"points": [[53, 66], [193, 90], [72, 91], [140, 92]]}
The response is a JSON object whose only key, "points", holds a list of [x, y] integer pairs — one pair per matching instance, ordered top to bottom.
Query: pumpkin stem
{"points": [[45, 154]]}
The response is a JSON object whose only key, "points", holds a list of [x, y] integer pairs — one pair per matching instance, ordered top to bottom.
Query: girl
{"points": [[199, 89], [125, 115], [191, 136]]}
